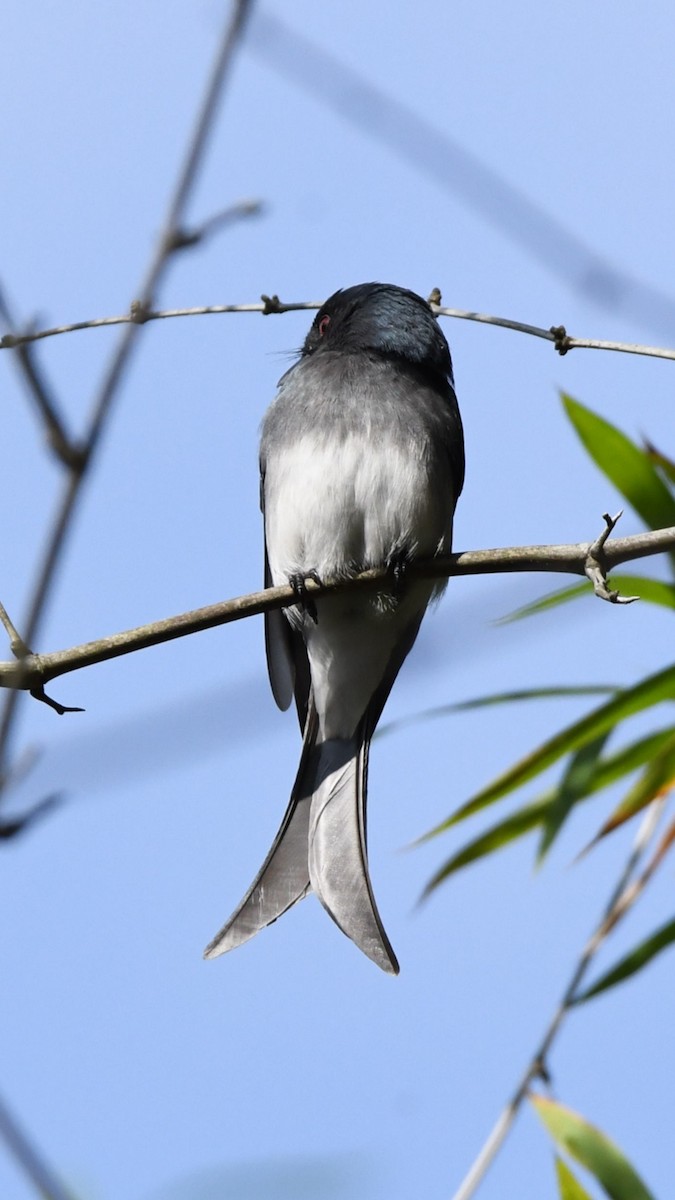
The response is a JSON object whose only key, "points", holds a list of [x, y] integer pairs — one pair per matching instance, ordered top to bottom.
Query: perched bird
{"points": [[361, 462]]}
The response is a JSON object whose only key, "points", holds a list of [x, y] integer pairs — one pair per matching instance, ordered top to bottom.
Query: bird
{"points": [[361, 465]]}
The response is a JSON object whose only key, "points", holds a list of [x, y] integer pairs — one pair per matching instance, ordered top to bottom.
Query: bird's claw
{"points": [[398, 565], [298, 582]]}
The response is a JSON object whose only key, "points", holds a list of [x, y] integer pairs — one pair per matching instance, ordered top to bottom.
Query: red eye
{"points": [[323, 325]]}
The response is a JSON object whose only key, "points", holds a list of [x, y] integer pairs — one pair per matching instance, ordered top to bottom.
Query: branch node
{"points": [[180, 239], [435, 297], [271, 304], [139, 312], [561, 339], [9, 340], [73, 455], [595, 567]]}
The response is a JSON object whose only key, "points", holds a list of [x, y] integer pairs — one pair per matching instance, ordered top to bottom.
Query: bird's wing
{"points": [[287, 663]]}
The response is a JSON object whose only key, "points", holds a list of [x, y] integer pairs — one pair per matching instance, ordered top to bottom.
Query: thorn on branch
{"points": [[271, 304], [561, 339], [595, 567], [38, 693]]}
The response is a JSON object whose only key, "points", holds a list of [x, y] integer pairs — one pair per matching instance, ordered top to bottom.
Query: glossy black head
{"points": [[382, 319]]}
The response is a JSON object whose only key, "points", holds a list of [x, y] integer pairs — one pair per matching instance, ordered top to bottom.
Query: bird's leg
{"points": [[298, 582]]}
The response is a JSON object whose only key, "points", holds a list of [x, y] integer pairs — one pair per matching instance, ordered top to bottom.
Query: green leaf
{"points": [[625, 464], [665, 464], [655, 591], [544, 603], [648, 692], [545, 693], [628, 759], [656, 780], [574, 785], [522, 822], [517, 825], [635, 961], [593, 1149], [569, 1187]]}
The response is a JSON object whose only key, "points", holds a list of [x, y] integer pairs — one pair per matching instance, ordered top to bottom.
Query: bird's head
{"points": [[383, 319]]}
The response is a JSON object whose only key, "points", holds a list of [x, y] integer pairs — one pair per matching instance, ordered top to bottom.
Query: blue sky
{"points": [[293, 1064]]}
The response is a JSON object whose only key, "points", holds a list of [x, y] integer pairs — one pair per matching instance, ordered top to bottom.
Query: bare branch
{"points": [[557, 334], [40, 393], [35, 670], [623, 895]]}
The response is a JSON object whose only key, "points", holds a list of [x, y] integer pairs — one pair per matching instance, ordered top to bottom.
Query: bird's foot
{"points": [[397, 563], [298, 582]]}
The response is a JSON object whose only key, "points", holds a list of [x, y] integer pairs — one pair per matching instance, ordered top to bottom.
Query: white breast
{"points": [[332, 506]]}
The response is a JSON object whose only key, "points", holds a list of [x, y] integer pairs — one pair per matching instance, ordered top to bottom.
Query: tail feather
{"points": [[321, 845], [338, 858], [284, 876], [282, 880]]}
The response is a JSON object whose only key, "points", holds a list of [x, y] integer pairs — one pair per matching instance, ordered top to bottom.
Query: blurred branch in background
{"points": [[413, 138], [78, 459], [46, 1183]]}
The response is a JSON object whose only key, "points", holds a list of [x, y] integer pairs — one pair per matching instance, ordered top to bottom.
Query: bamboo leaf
{"points": [[660, 460], [625, 464], [654, 591], [547, 602], [648, 692], [544, 693], [656, 780], [574, 785], [522, 822], [517, 825], [635, 961], [593, 1149], [569, 1187]]}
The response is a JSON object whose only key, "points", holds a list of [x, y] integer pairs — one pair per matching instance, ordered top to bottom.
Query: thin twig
{"points": [[220, 220], [557, 334], [40, 393], [102, 405], [16, 643], [35, 670], [538, 1063], [30, 1160]]}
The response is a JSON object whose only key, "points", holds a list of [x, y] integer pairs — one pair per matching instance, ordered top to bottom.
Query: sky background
{"points": [[293, 1067]]}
